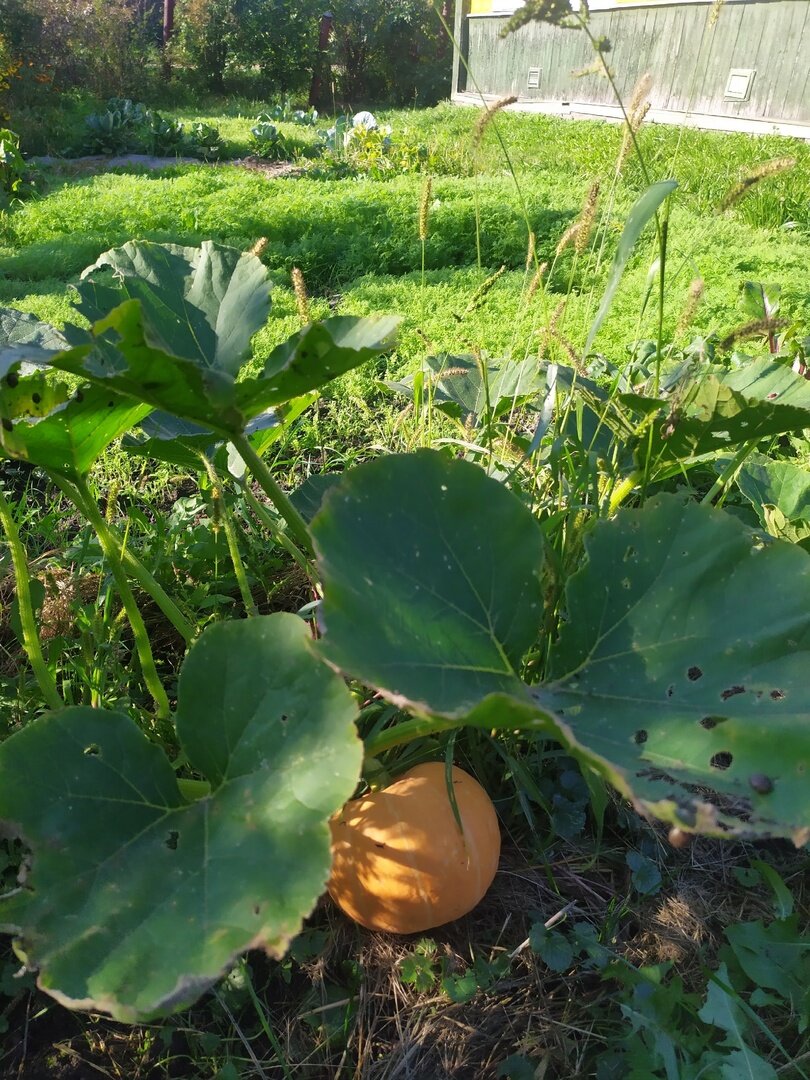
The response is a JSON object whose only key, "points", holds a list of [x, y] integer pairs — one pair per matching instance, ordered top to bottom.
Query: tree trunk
{"points": [[168, 31], [316, 94]]}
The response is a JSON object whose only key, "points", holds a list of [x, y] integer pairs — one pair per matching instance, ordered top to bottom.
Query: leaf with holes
{"points": [[172, 327], [17, 329], [130, 358], [718, 411], [45, 423], [423, 598], [683, 663], [679, 673], [135, 901]]}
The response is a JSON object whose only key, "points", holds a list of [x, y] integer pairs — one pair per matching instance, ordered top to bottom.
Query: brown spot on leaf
{"points": [[732, 691]]}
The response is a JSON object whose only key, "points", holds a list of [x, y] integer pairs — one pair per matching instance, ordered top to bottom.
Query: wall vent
{"points": [[534, 79], [738, 87]]}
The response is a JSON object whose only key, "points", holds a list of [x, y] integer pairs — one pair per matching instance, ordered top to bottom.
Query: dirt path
{"points": [[99, 163]]}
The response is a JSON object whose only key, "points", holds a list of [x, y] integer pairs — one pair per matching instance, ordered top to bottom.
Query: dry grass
{"points": [[391, 1031]]}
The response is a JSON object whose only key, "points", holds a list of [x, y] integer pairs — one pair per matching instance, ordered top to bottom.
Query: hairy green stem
{"points": [[728, 473], [295, 523], [230, 536], [281, 538], [112, 554], [136, 569], [156, 592], [25, 606]]}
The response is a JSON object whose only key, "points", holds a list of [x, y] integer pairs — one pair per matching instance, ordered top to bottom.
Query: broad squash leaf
{"points": [[172, 326], [431, 575], [680, 670], [136, 901]]}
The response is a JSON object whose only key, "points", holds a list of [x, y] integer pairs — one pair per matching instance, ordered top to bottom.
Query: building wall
{"points": [[689, 56]]}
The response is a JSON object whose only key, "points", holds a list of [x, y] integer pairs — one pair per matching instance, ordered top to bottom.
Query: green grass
{"points": [[357, 243]]}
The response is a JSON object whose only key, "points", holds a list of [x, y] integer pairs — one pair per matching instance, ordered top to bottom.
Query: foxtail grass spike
{"points": [[556, 12], [714, 14], [637, 110], [486, 117], [760, 172], [424, 208], [586, 218], [531, 251], [536, 281], [482, 290], [301, 296], [693, 299], [757, 328]]}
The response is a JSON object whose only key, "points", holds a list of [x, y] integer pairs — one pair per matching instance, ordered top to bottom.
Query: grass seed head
{"points": [[714, 14], [488, 115], [760, 172], [424, 207], [587, 218], [567, 237], [531, 251], [536, 281], [301, 296], [693, 299], [750, 330]]}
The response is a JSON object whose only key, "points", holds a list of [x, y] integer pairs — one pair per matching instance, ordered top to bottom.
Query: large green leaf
{"points": [[204, 303], [172, 326], [18, 328], [314, 356], [132, 359], [462, 386], [720, 410], [60, 428], [783, 484], [779, 492], [431, 574], [683, 662], [680, 670], [135, 901]]}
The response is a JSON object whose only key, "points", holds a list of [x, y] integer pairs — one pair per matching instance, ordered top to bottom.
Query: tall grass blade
{"points": [[643, 211]]}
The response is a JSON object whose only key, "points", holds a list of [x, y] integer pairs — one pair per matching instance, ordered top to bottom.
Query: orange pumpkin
{"points": [[399, 860]]}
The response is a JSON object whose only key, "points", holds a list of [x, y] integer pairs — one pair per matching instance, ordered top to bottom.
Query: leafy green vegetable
{"points": [[422, 597], [678, 670], [136, 901]]}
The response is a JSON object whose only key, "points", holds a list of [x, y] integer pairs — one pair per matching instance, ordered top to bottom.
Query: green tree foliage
{"points": [[275, 40], [101, 47], [390, 50]]}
